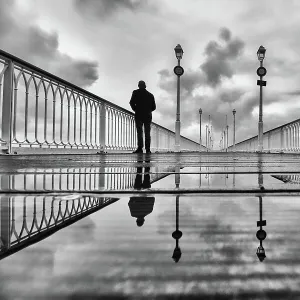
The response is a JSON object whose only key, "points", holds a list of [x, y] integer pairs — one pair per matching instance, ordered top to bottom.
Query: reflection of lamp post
{"points": [[261, 71], [178, 72], [233, 112], [200, 114], [260, 173], [177, 176], [177, 234], [261, 234]]}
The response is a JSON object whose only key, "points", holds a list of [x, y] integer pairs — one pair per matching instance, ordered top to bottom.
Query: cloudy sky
{"points": [[107, 46]]}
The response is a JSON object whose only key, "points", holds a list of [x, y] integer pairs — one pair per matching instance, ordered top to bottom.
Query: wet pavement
{"points": [[159, 226]]}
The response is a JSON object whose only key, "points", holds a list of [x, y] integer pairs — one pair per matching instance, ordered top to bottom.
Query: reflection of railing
{"points": [[53, 113], [283, 138], [294, 178], [75, 179], [22, 226]]}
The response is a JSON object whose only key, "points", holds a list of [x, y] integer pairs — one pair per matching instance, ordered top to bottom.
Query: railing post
{"points": [[7, 105], [102, 128], [5, 214]]}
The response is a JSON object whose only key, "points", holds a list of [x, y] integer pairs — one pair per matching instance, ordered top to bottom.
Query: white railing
{"points": [[40, 110], [285, 138]]}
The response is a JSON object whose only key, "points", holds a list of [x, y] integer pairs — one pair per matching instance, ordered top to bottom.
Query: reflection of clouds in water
{"points": [[208, 219], [81, 232], [71, 241], [86, 262], [28, 272]]}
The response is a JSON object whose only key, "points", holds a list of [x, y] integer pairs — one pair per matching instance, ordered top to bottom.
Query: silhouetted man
{"points": [[142, 103]]}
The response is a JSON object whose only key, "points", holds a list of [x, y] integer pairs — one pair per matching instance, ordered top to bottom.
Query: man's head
{"points": [[142, 84], [140, 221]]}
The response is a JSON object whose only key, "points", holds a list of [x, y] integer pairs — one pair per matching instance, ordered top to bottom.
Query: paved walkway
{"points": [[233, 162]]}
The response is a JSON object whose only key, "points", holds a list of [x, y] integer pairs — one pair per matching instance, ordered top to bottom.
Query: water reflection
{"points": [[85, 179], [139, 183], [140, 207], [40, 217], [177, 234], [261, 234]]}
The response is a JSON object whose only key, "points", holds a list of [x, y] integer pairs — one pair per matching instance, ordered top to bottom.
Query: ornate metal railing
{"points": [[40, 110], [285, 138], [40, 216]]}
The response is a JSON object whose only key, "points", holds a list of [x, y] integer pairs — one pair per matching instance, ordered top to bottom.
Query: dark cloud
{"points": [[105, 8], [225, 34], [41, 43], [219, 57], [215, 69], [83, 73], [188, 83], [293, 93], [231, 95]]}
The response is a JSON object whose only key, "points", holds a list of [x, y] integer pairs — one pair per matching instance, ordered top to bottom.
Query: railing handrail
{"points": [[50, 76], [270, 130]]}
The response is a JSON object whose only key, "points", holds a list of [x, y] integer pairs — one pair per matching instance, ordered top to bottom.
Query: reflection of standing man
{"points": [[142, 103], [138, 183], [140, 207]]}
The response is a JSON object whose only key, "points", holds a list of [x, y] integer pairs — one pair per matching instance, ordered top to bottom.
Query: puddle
{"points": [[153, 178], [109, 231], [150, 245]]}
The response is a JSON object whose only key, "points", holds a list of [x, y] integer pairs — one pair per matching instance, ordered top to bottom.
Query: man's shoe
{"points": [[138, 151], [148, 151]]}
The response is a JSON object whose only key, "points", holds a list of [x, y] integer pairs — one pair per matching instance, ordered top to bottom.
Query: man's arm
{"points": [[133, 101], [153, 103]]}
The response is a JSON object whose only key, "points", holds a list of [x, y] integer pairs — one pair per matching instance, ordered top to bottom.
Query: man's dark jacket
{"points": [[142, 102]]}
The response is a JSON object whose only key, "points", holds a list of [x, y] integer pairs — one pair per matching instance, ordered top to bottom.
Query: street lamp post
{"points": [[178, 70], [261, 71], [234, 112], [200, 114], [209, 132], [206, 138], [226, 141]]}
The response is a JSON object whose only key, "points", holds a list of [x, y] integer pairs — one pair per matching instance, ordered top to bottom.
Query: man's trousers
{"points": [[139, 122]]}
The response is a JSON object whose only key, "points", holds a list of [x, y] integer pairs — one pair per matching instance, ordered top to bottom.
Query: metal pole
{"points": [[260, 120], [177, 123], [234, 131], [208, 132], [200, 133], [206, 139], [226, 140]]}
